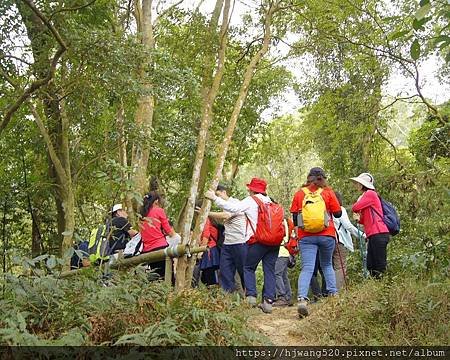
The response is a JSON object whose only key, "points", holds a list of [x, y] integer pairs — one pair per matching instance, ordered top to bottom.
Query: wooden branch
{"points": [[75, 8], [166, 11], [41, 16], [247, 49], [3, 55], [8, 78], [40, 82], [30, 90], [398, 99], [392, 145], [51, 149], [93, 160], [150, 257]]}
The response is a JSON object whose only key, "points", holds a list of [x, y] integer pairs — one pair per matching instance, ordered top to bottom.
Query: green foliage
{"points": [[430, 142], [45, 310], [392, 312]]}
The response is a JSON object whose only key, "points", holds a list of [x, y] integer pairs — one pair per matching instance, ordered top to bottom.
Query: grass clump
{"points": [[389, 312]]}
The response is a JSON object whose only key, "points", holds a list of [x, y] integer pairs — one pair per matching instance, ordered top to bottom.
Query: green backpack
{"points": [[99, 243]]}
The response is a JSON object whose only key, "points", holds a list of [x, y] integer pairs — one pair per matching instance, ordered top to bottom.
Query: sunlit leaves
{"points": [[415, 50]]}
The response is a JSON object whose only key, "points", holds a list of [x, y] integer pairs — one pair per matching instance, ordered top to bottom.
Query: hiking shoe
{"points": [[251, 300], [281, 302], [266, 306], [302, 308]]}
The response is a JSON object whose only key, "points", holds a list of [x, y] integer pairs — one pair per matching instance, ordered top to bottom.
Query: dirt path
{"points": [[277, 325]]}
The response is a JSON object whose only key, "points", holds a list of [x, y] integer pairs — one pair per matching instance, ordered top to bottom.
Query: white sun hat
{"points": [[365, 179], [116, 207]]}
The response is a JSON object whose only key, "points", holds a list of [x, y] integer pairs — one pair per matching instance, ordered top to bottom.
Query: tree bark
{"points": [[39, 29], [210, 87], [243, 91], [146, 102], [122, 146], [64, 178]]}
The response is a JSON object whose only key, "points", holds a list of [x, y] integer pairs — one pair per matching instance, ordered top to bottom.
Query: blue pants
{"points": [[310, 246], [268, 255], [232, 259], [282, 280]]}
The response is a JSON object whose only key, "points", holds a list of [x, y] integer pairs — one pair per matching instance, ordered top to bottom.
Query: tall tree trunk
{"points": [[210, 87], [243, 91], [146, 102], [57, 132], [122, 146], [204, 170], [64, 178]]}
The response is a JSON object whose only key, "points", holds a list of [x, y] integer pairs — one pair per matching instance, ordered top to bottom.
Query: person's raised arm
{"points": [[230, 206], [222, 215], [347, 224]]}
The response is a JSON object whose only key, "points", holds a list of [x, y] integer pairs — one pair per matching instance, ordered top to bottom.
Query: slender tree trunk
{"points": [[251, 68], [210, 87], [146, 102], [56, 133], [122, 146], [204, 170], [64, 177], [4, 235]]}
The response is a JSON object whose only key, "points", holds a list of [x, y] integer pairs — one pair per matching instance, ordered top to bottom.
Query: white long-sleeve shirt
{"points": [[248, 206], [345, 229]]}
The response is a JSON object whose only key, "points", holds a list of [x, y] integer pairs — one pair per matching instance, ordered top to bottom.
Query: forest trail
{"points": [[278, 325]]}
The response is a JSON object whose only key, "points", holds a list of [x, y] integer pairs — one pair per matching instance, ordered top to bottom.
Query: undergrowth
{"points": [[44, 310], [389, 312]]}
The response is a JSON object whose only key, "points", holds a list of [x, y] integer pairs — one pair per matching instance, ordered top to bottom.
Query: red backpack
{"points": [[270, 228]]}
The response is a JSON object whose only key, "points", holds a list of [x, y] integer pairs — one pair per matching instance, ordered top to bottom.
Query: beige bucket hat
{"points": [[365, 179]]}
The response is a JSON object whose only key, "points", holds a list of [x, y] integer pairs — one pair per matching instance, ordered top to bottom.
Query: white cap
{"points": [[365, 179], [116, 207]]}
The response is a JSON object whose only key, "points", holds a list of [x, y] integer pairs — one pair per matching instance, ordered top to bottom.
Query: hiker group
{"points": [[256, 229]]}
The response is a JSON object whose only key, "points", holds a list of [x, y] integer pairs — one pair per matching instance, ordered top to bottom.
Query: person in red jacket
{"points": [[366, 210], [154, 228], [321, 243], [210, 261]]}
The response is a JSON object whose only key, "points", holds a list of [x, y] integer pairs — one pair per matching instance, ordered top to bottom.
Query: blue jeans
{"points": [[310, 246], [268, 255], [232, 259]]}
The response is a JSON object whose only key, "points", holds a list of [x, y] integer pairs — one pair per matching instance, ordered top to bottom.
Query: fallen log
{"points": [[150, 257]]}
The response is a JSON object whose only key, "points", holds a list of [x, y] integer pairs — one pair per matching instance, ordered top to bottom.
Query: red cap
{"points": [[257, 185]]}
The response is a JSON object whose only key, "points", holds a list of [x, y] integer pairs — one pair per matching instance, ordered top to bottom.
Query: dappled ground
{"points": [[281, 325]]}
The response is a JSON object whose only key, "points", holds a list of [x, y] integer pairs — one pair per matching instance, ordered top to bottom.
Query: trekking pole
{"points": [[362, 249], [342, 265]]}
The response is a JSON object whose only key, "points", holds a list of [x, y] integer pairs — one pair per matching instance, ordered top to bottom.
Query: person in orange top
{"points": [[321, 243]]}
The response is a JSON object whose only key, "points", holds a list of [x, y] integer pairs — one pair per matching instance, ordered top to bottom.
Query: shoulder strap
{"points": [[306, 190], [257, 200], [381, 204], [260, 207], [249, 222]]}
